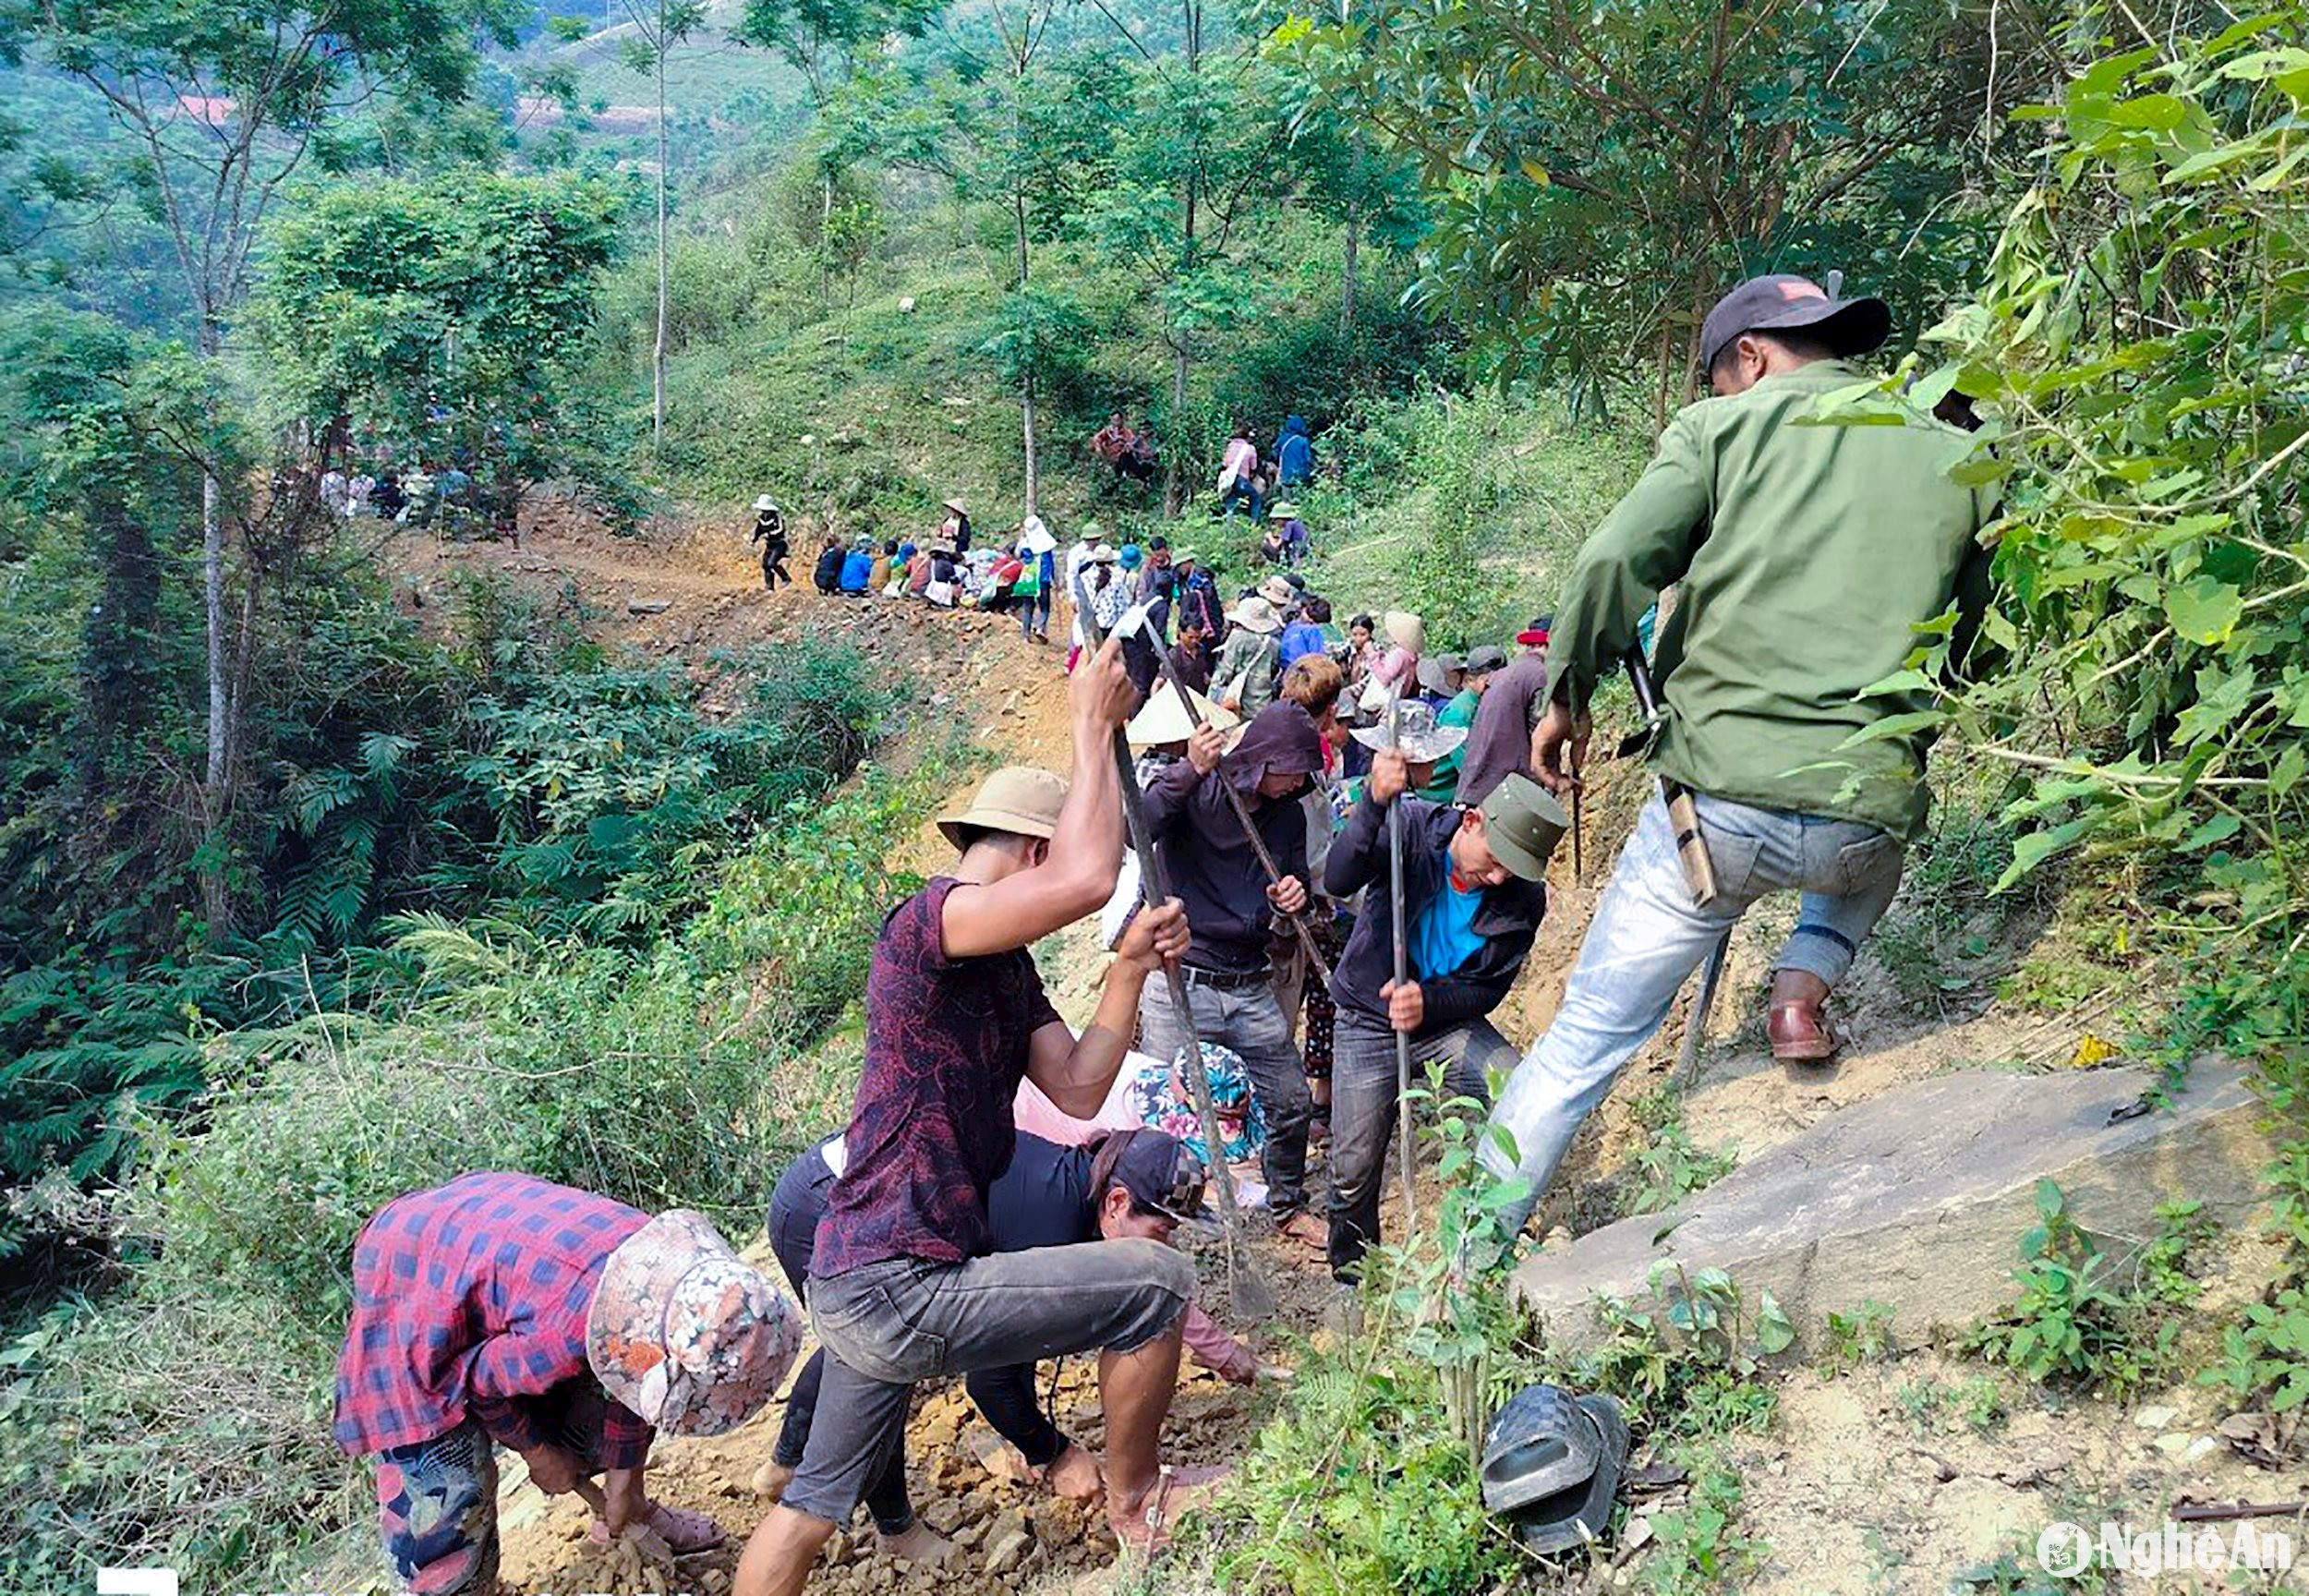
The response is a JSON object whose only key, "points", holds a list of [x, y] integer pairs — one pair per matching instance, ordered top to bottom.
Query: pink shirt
{"points": [[1238, 462]]}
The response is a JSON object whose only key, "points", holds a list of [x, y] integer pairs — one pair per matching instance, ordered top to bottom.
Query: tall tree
{"points": [[659, 26], [824, 40], [223, 99], [1013, 121], [1200, 151], [1601, 176], [444, 312]]}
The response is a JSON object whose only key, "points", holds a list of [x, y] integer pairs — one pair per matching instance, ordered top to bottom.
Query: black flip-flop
{"points": [[1577, 1515]]}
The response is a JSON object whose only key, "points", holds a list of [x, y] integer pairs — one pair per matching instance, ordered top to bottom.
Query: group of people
{"points": [[1126, 448], [1248, 484], [422, 496], [932, 1239]]}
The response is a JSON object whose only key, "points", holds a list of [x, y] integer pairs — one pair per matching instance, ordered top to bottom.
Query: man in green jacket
{"points": [[1807, 556]]}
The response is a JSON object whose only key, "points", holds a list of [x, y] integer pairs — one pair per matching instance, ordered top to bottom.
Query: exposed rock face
{"points": [[1917, 1198]]}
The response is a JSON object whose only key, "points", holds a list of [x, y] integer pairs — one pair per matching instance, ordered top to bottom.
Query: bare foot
{"points": [[1003, 1460], [1074, 1474], [771, 1480], [1143, 1523], [684, 1530], [920, 1546]]}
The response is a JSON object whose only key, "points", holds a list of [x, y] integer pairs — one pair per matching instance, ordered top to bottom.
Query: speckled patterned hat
{"points": [[684, 1332]]}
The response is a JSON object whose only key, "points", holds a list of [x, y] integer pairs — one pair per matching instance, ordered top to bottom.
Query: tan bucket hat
{"points": [[1280, 594], [1256, 614], [1406, 630], [1160, 720], [1018, 799], [684, 1333]]}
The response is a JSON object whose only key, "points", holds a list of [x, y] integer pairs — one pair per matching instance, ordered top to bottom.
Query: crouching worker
{"points": [[1472, 900], [1127, 1184], [905, 1284], [570, 1328]]}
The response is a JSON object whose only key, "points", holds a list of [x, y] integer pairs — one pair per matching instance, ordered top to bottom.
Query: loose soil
{"points": [[1852, 1493]]}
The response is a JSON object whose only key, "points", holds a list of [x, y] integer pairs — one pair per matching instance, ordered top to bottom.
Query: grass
{"points": [[1946, 1407], [184, 1419]]}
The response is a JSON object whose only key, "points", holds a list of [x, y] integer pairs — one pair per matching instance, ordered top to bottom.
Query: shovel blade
{"points": [[1253, 1297]]}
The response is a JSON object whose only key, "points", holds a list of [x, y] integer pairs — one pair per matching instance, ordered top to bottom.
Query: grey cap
{"points": [[1784, 302], [1485, 657], [1522, 822]]}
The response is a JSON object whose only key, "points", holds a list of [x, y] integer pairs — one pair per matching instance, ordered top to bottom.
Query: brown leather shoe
{"points": [[1800, 1033]]}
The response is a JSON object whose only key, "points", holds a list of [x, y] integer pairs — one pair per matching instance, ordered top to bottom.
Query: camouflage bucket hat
{"points": [[689, 1336]]}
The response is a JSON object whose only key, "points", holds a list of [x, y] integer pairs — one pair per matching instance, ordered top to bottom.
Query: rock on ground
{"points": [[1917, 1198]]}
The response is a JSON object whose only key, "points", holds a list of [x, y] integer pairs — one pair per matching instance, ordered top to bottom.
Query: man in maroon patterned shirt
{"points": [[904, 1285]]}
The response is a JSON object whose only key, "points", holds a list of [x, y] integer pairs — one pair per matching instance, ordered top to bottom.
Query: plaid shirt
{"points": [[469, 1300]]}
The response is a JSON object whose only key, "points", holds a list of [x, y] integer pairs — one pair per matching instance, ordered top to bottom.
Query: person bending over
{"points": [[1473, 896], [501, 1309]]}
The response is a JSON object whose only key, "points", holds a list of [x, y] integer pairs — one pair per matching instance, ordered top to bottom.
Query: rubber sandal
{"points": [[1579, 1513], [1153, 1517]]}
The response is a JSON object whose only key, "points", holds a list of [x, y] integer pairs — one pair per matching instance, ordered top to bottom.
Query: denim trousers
{"points": [[1647, 938], [1248, 1020], [1365, 1101], [885, 1327]]}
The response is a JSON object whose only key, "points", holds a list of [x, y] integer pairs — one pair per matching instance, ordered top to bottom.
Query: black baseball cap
{"points": [[1784, 302], [1161, 1174]]}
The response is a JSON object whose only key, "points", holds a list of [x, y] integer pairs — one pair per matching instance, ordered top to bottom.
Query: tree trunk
{"points": [[1347, 271], [1028, 351], [657, 371], [1173, 480], [216, 797]]}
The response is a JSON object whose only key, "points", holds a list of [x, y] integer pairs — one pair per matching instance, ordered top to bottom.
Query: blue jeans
{"points": [[1647, 938], [1249, 1020], [1365, 1102]]}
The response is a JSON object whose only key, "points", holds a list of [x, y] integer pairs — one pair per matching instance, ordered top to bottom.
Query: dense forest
{"points": [[319, 889]]}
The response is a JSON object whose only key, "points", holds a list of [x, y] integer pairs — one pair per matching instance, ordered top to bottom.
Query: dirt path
{"points": [[974, 674]]}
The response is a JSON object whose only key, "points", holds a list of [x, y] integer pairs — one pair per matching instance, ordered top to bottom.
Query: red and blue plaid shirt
{"points": [[469, 1300]]}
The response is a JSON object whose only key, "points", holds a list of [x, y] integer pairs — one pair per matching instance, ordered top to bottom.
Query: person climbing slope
{"points": [[769, 531], [1809, 556]]}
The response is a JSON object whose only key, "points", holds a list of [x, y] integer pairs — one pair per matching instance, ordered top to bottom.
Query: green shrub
{"points": [[1668, 1168], [2081, 1318], [185, 1420]]}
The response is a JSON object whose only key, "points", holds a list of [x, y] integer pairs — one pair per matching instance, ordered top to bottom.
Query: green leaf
{"points": [[2204, 609], [1903, 725], [2034, 849]]}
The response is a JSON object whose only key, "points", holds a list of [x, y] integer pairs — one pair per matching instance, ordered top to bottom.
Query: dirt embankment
{"points": [[687, 593]]}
